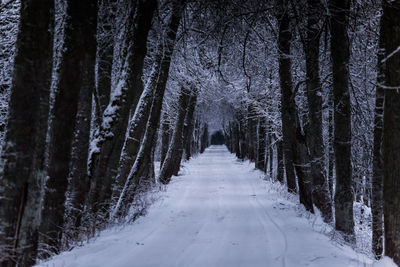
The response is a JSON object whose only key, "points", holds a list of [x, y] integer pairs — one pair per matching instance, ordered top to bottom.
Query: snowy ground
{"points": [[219, 212]]}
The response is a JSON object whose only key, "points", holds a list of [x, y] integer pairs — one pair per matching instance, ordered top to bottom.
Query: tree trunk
{"points": [[390, 24], [340, 54], [105, 56], [75, 74], [288, 106], [189, 125], [137, 128], [251, 133], [196, 134], [165, 137], [228, 137], [110, 138], [237, 139], [204, 140], [261, 143], [331, 152], [23, 153], [271, 155], [172, 161], [281, 167], [302, 167], [377, 176], [138, 179], [79, 183], [320, 191]]}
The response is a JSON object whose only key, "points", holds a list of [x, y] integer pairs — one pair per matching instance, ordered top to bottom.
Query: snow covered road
{"points": [[219, 212]]}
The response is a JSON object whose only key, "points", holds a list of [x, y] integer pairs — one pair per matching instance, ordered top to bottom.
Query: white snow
{"points": [[219, 212]]}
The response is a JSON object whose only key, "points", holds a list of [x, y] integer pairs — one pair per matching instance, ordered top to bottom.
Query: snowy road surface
{"points": [[219, 212]]}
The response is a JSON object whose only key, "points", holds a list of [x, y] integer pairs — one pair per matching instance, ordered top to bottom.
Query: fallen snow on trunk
{"points": [[219, 212]]}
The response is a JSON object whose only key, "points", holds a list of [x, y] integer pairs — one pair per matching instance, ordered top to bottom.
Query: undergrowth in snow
{"points": [[362, 217]]}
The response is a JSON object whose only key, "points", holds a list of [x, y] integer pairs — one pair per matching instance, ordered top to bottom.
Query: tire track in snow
{"points": [[269, 218]]}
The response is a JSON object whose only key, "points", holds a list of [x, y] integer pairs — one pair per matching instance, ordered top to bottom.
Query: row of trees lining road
{"points": [[97, 92], [320, 136], [69, 169]]}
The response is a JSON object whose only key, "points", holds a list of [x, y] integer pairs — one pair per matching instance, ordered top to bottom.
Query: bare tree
{"points": [[340, 54], [105, 55], [76, 73], [288, 106], [189, 124], [165, 137], [110, 138], [261, 145], [173, 158], [23, 169], [377, 177], [139, 178], [320, 190]]}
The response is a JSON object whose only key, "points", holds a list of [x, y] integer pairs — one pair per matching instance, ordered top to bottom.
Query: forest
{"points": [[103, 102]]}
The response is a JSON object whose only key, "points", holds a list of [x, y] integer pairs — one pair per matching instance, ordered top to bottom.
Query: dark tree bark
{"points": [[390, 24], [340, 54], [105, 56], [76, 70], [288, 106], [189, 125], [137, 128], [111, 135], [251, 135], [196, 136], [165, 137], [228, 137], [231, 137], [237, 139], [242, 139], [204, 140], [294, 141], [261, 143], [331, 151], [23, 154], [271, 155], [173, 158], [301, 161], [281, 166], [377, 176], [138, 179], [79, 182], [320, 191]]}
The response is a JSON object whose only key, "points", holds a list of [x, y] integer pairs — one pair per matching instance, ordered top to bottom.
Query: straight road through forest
{"points": [[219, 212]]}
